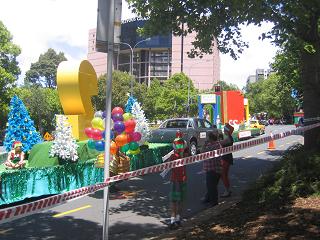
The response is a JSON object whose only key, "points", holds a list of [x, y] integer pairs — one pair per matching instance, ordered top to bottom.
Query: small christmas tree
{"points": [[129, 104], [142, 124], [20, 127], [64, 145]]}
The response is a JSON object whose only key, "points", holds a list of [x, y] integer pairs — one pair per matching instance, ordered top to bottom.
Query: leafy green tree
{"points": [[295, 22], [288, 67], [9, 70], [44, 71], [226, 86], [121, 87], [272, 96], [152, 97], [173, 100], [42, 104]]}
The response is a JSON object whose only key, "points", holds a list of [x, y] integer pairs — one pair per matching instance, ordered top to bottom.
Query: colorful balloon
{"points": [[117, 110], [98, 114], [127, 116], [117, 117], [97, 123], [130, 126], [119, 127], [88, 131], [96, 134], [104, 134], [136, 136], [129, 137], [121, 140], [91, 144], [99, 146], [133, 146], [113, 148], [125, 148], [135, 152]]}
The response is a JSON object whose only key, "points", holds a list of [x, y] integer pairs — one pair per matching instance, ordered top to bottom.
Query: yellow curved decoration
{"points": [[77, 82]]}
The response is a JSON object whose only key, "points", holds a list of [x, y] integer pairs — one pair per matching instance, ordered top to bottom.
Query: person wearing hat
{"points": [[16, 157], [227, 160], [178, 180]]}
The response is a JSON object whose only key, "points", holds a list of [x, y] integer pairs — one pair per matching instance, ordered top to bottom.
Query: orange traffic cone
{"points": [[271, 145]]}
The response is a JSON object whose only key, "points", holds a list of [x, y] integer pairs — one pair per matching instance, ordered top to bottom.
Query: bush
{"points": [[297, 175]]}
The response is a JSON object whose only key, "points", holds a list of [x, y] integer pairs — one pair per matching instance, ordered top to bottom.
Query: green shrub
{"points": [[297, 174]]}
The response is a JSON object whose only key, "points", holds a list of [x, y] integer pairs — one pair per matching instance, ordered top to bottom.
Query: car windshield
{"points": [[177, 124]]}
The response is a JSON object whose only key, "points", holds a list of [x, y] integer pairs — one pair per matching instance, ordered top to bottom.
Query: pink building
{"points": [[158, 57]]}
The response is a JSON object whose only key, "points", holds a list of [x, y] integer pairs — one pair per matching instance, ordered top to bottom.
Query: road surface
{"points": [[141, 206]]}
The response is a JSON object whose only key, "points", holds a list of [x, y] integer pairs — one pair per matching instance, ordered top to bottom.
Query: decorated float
{"points": [[228, 107], [74, 158]]}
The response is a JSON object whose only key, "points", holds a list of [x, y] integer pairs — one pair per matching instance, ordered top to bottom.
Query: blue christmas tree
{"points": [[129, 104], [20, 127]]}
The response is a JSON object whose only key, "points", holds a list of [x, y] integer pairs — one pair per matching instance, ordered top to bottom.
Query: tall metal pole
{"points": [[131, 83], [105, 235]]}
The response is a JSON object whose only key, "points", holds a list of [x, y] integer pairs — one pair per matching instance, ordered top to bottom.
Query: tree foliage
{"points": [[294, 22], [288, 67], [9, 70], [44, 71], [227, 86], [121, 87], [272, 96], [159, 101], [173, 101], [42, 104]]}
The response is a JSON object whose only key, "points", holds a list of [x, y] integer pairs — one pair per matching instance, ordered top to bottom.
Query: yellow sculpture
{"points": [[77, 82]]}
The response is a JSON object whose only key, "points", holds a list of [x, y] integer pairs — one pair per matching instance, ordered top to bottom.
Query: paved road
{"points": [[137, 212]]}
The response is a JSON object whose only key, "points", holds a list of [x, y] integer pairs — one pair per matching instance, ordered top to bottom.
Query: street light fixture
{"points": [[131, 59]]}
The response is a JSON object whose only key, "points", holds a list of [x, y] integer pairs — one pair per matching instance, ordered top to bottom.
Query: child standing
{"points": [[178, 181]]}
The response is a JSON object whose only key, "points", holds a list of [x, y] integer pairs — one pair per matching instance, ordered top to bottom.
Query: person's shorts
{"points": [[178, 191]]}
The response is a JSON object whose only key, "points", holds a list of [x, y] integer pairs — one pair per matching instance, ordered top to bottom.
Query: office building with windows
{"points": [[157, 57]]}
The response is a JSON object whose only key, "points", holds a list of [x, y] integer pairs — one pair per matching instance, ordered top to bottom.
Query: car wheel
{"points": [[193, 148]]}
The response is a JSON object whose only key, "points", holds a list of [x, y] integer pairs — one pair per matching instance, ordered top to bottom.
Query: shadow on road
{"points": [[44, 226]]}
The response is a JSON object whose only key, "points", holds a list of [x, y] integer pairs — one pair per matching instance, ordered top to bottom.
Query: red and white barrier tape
{"points": [[208, 155], [12, 213]]}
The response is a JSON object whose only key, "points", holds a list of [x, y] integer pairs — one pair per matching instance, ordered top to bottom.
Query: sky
{"points": [[63, 25]]}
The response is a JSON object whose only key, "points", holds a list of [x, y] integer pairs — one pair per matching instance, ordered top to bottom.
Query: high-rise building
{"points": [[157, 57], [261, 74]]}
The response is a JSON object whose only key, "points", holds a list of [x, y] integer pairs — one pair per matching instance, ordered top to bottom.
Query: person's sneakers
{"points": [[226, 194]]}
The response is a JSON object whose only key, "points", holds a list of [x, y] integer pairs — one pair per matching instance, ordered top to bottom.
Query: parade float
{"points": [[228, 107], [74, 158]]}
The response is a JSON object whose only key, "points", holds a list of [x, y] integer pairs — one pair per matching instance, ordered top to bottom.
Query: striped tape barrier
{"points": [[15, 212]]}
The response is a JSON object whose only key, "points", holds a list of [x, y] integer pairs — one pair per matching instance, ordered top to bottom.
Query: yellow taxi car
{"points": [[256, 124]]}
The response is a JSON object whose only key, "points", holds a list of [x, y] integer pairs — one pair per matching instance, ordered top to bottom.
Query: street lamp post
{"points": [[131, 59]]}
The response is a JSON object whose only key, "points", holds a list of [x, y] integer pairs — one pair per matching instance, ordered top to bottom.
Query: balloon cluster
{"points": [[123, 136]]}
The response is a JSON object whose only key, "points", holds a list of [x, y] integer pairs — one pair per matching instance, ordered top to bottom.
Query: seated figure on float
{"points": [[16, 156]]}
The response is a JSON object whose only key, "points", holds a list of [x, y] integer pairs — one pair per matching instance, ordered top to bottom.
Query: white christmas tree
{"points": [[142, 124], [64, 145]]}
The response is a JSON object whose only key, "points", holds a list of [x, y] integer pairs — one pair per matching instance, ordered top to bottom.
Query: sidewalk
{"points": [[201, 218]]}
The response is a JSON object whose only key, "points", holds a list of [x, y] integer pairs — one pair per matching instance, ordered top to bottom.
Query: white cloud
{"points": [[37, 25], [259, 55]]}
